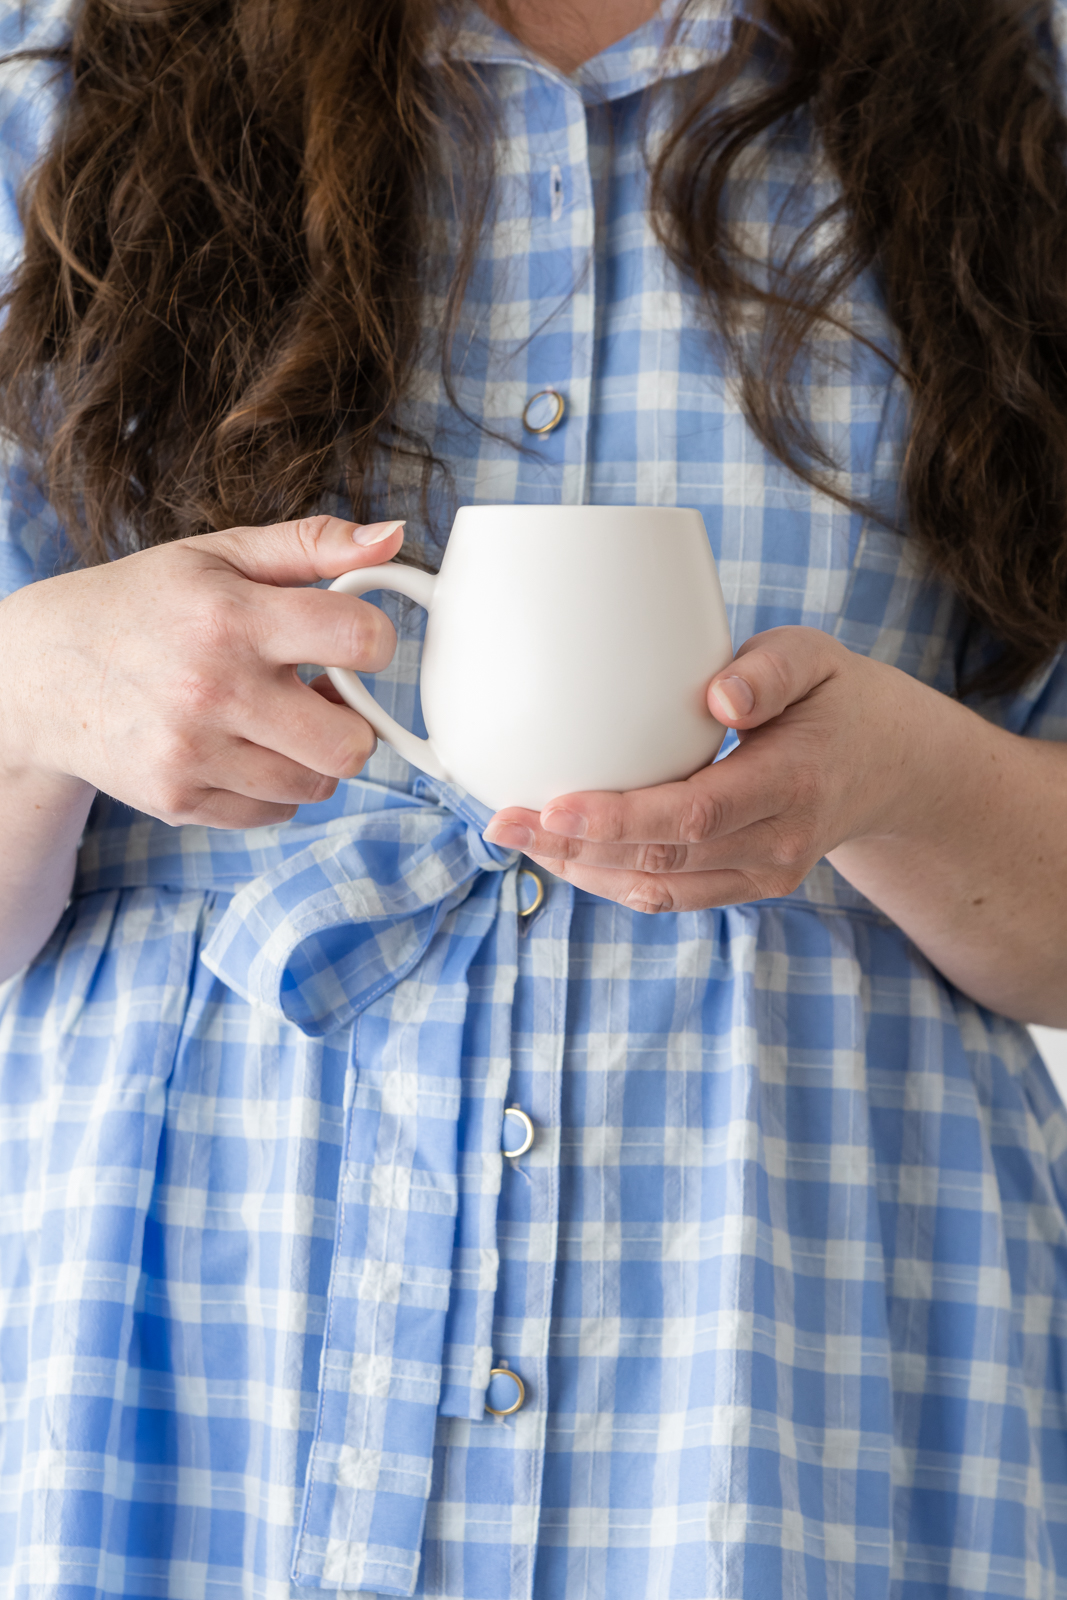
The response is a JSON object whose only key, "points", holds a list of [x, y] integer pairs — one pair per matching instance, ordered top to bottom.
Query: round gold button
{"points": [[543, 411], [539, 893], [527, 1144], [520, 1387]]}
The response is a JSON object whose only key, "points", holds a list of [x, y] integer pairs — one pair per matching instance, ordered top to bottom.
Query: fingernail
{"points": [[375, 532], [734, 696], [568, 824], [509, 835]]}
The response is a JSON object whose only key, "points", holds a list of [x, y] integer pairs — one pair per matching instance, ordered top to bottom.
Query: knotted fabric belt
{"points": [[379, 923]]}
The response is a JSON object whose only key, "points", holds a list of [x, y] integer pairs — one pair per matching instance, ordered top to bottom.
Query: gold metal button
{"points": [[543, 411], [539, 893], [527, 1143], [506, 1372]]}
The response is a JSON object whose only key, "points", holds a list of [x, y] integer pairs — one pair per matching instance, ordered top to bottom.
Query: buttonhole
{"points": [[556, 186]]}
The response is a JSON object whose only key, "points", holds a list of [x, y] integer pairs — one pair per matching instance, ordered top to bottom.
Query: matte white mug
{"points": [[567, 648]]}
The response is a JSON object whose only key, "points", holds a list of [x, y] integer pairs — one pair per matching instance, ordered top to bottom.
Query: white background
{"points": [[1052, 1042]]}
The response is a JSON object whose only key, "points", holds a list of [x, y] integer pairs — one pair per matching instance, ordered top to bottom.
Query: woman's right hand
{"points": [[168, 678]]}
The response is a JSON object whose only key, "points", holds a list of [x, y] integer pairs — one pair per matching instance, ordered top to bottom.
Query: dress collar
{"points": [[682, 37]]}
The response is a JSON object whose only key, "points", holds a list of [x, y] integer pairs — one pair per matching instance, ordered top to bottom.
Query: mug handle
{"points": [[418, 586]]}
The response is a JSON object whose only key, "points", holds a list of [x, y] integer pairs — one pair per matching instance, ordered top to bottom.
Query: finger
{"points": [[305, 550], [338, 630], [771, 671], [322, 685], [304, 726], [260, 774], [716, 802], [220, 808], [670, 813], [767, 846], [647, 892]]}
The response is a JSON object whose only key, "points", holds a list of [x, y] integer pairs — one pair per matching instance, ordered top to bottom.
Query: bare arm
{"points": [[38, 851], [974, 865]]}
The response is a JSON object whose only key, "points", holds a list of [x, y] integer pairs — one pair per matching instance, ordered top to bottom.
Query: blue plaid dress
{"points": [[784, 1271]]}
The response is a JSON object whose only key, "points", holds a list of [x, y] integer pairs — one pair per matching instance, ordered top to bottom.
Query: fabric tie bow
{"points": [[378, 923]]}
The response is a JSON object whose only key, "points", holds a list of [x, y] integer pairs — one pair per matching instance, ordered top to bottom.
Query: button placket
{"points": [[580, 219], [552, 407], [522, 1341]]}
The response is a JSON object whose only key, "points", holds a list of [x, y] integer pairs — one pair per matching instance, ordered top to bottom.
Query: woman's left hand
{"points": [[834, 747]]}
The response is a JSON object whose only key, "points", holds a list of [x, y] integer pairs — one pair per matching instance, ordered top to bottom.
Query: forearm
{"points": [[43, 819], [975, 869]]}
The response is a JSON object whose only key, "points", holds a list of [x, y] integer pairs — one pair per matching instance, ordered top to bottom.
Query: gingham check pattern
{"points": [[783, 1272]]}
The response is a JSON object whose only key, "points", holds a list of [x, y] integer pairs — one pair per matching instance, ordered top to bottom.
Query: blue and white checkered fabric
{"points": [[785, 1271]]}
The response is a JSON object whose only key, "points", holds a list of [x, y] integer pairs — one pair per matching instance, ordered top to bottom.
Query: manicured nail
{"points": [[375, 532], [734, 696], [568, 824], [509, 835]]}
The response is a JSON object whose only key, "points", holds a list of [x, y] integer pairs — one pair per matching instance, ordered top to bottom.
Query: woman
{"points": [[772, 1300]]}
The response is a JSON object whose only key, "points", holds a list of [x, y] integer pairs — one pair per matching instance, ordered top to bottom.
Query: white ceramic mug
{"points": [[567, 648]]}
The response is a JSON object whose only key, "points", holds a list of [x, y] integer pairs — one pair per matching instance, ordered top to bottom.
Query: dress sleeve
{"points": [[31, 541], [1046, 705]]}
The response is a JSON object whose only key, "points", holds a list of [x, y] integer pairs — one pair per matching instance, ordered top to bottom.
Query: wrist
{"points": [[27, 713], [927, 744], [21, 765], [946, 774], [54, 803]]}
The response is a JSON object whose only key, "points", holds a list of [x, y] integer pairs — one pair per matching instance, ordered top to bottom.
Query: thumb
{"points": [[304, 551], [772, 670]]}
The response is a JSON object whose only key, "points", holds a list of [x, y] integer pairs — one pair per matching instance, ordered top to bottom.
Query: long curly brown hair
{"points": [[218, 309]]}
